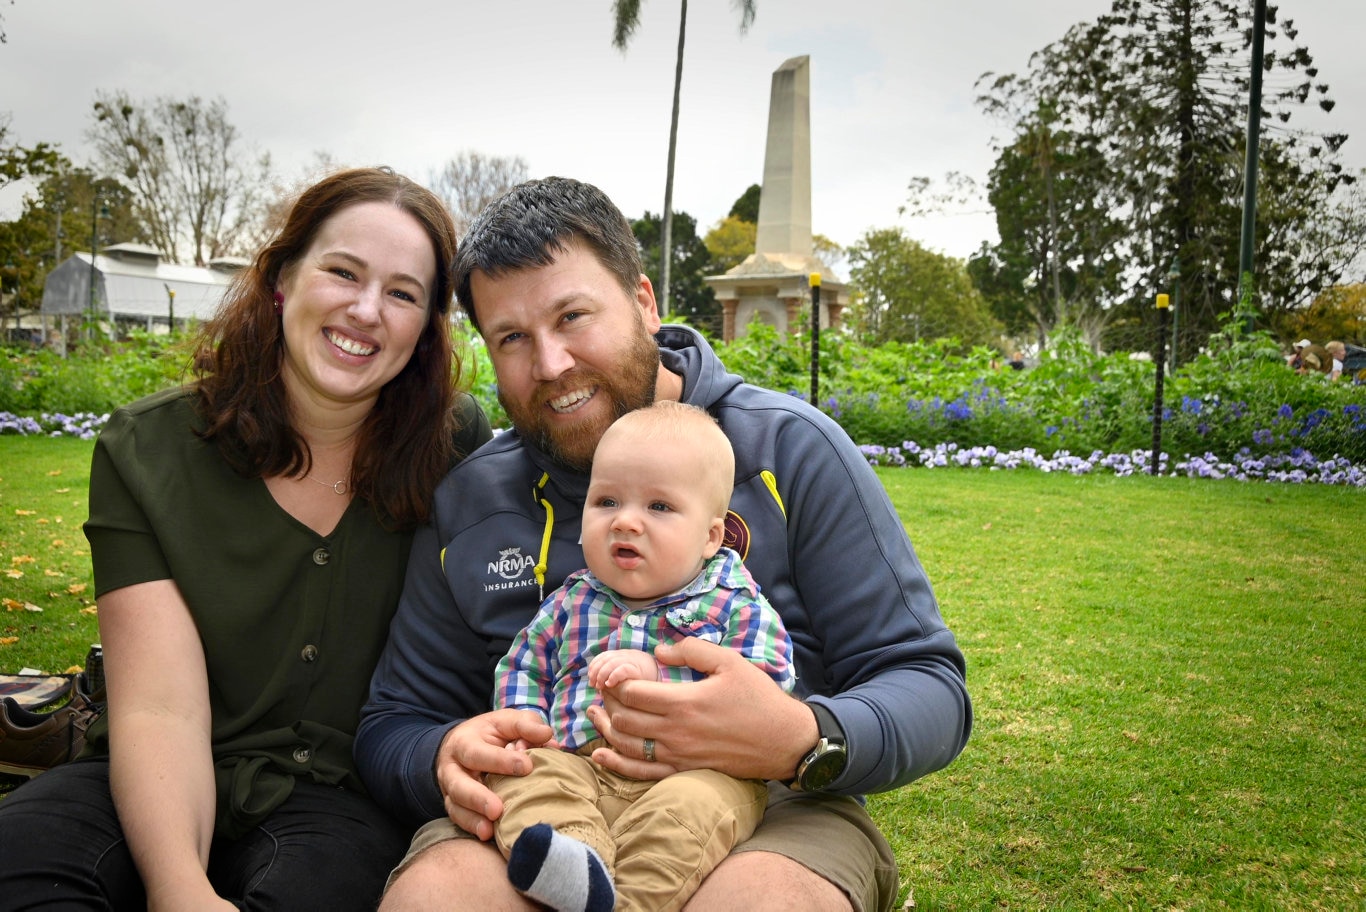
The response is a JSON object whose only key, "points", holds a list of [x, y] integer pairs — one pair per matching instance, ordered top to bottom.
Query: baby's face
{"points": [[650, 520]]}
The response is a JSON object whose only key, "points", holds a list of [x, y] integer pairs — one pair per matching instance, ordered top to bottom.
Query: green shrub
{"points": [[1238, 396]]}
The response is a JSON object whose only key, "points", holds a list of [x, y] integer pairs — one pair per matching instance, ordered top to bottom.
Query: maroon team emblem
{"points": [[737, 534]]}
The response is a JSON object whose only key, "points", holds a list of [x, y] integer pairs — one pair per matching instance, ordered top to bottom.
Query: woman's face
{"points": [[355, 303]]}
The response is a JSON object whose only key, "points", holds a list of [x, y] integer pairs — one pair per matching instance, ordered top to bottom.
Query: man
{"points": [[550, 275]]}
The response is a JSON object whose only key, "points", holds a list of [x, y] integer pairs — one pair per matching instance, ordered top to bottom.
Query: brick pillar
{"points": [[794, 306], [728, 309], [836, 312]]}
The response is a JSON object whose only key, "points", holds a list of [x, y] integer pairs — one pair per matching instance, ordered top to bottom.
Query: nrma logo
{"points": [[511, 564]]}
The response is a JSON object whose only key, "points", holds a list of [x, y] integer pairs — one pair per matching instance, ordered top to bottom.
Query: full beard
{"points": [[630, 387]]}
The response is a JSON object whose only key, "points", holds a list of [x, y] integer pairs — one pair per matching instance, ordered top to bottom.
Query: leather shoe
{"points": [[32, 743]]}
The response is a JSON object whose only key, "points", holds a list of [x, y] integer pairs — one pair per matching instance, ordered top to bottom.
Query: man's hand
{"points": [[610, 668], [737, 721], [492, 743]]}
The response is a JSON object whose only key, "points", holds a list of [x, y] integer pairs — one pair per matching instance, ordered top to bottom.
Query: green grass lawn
{"points": [[47, 593], [1167, 676], [1168, 683]]}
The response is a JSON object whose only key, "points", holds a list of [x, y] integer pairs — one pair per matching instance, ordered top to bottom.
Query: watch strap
{"points": [[827, 725]]}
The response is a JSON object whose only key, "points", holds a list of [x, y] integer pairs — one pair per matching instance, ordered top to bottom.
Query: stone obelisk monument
{"points": [[771, 285]]}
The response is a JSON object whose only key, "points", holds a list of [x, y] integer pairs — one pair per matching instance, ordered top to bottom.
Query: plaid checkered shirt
{"points": [[546, 668]]}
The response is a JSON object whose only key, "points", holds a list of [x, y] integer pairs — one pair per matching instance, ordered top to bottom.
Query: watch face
{"points": [[823, 769]]}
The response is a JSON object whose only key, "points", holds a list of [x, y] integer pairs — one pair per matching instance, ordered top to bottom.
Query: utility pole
{"points": [[1254, 119], [815, 282], [170, 306]]}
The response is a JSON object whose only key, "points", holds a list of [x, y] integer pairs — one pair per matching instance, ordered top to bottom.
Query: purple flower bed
{"points": [[84, 425], [1297, 467]]}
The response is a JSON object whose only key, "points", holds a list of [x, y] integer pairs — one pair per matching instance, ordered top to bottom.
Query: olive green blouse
{"points": [[292, 622]]}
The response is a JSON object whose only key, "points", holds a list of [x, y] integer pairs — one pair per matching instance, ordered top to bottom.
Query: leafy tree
{"points": [[626, 19], [1127, 151], [18, 162], [471, 179], [196, 188], [747, 206], [56, 221], [1059, 237], [731, 241], [827, 251], [1002, 284], [905, 293], [693, 300], [1336, 313]]}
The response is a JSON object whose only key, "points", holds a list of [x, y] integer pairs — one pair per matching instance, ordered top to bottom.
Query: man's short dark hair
{"points": [[528, 225]]}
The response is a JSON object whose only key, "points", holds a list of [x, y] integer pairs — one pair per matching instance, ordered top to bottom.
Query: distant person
{"points": [[1337, 351], [1314, 359], [1295, 360], [1017, 361], [653, 527], [249, 534]]}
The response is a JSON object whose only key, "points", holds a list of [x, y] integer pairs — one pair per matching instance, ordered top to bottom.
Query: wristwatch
{"points": [[824, 763]]}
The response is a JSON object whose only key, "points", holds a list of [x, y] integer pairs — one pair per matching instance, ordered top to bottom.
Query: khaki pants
{"points": [[830, 835], [659, 839]]}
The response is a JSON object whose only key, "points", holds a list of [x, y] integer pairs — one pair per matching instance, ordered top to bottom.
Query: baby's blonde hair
{"points": [[677, 424]]}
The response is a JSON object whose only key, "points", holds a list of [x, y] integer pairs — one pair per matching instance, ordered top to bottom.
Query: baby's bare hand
{"points": [[608, 669]]}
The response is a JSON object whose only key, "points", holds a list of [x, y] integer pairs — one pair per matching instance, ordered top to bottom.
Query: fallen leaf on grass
{"points": [[54, 473], [63, 490], [24, 512], [59, 543], [21, 559], [53, 573], [14, 574], [76, 588], [12, 605], [90, 609], [8, 641], [74, 669], [1131, 736], [1134, 869]]}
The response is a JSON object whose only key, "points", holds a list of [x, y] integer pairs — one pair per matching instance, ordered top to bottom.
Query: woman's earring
{"points": [[279, 303]]}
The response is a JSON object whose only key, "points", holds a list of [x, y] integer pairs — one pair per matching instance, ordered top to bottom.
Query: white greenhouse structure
{"points": [[132, 289]]}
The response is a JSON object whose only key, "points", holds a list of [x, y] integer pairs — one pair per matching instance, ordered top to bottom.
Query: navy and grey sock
{"points": [[560, 871]]}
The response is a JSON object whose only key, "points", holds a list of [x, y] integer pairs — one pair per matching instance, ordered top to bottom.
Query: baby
{"points": [[578, 836]]}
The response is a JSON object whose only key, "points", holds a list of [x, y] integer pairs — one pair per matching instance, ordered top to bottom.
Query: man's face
{"points": [[572, 350]]}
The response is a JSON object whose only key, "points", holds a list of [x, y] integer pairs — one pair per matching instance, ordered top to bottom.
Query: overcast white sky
{"points": [[409, 83]]}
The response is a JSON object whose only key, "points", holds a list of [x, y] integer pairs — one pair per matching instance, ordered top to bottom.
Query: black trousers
{"points": [[61, 848]]}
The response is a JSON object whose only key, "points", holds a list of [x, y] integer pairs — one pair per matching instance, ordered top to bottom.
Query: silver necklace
{"points": [[338, 487]]}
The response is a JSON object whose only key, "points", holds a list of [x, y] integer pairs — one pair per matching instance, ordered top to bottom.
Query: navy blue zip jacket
{"points": [[811, 521]]}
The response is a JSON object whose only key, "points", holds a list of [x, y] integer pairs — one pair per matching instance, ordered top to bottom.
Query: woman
{"points": [[249, 536]]}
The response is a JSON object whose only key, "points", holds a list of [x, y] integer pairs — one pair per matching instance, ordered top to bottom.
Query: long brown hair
{"points": [[405, 445]]}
